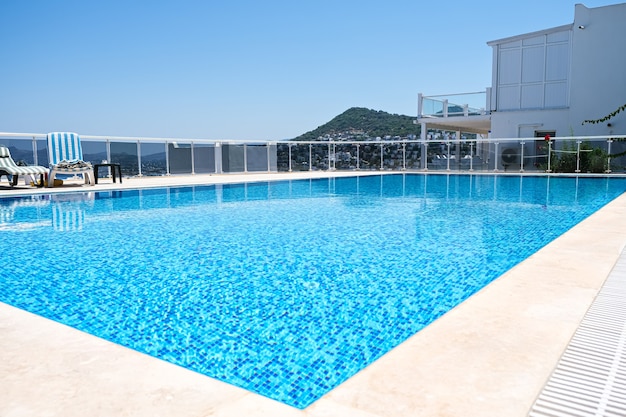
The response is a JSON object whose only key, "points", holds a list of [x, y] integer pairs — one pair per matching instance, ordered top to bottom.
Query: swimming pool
{"points": [[285, 288]]}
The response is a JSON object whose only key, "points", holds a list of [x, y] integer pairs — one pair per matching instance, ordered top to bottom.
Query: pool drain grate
{"points": [[590, 378]]}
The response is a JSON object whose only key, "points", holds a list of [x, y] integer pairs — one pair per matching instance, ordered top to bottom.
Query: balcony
{"points": [[464, 112]]}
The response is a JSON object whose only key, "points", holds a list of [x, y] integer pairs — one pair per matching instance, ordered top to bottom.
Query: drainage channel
{"points": [[590, 378]]}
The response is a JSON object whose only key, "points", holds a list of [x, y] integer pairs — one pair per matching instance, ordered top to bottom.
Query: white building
{"points": [[546, 82]]}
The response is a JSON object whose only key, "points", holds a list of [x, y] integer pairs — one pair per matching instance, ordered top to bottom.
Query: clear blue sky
{"points": [[243, 69]]}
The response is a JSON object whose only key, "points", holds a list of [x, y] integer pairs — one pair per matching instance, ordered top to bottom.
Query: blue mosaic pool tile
{"points": [[285, 289]]}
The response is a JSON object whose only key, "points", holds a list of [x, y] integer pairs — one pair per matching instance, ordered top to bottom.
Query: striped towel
{"points": [[64, 146]]}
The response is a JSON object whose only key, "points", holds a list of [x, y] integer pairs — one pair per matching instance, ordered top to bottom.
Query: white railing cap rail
{"points": [[42, 136]]}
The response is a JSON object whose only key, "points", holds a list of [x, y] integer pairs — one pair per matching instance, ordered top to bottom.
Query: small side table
{"points": [[113, 167]]}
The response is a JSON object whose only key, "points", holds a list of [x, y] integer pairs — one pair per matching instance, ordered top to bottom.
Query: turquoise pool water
{"points": [[284, 288]]}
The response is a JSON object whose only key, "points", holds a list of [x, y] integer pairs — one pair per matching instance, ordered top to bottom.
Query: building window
{"points": [[533, 72]]}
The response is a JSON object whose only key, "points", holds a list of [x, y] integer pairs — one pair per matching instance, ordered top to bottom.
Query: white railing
{"points": [[451, 105], [599, 155], [154, 156], [170, 156]]}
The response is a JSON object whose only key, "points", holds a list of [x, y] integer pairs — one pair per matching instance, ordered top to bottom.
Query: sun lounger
{"points": [[65, 153], [9, 168]]}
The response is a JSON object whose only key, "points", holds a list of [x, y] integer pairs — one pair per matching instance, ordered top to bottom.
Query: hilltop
{"points": [[358, 123]]}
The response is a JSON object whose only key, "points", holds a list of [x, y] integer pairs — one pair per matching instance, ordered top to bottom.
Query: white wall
{"points": [[598, 68], [524, 123]]}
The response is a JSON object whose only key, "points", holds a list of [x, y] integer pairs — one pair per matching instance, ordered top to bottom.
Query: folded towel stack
{"points": [[75, 164]]}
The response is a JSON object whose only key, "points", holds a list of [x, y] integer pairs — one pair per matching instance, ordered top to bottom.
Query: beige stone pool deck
{"points": [[490, 356]]}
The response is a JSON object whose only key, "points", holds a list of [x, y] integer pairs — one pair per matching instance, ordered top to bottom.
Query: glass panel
{"points": [[533, 64], [557, 68], [509, 71], [556, 94], [532, 96], [456, 104], [432, 107], [21, 150], [42, 152], [94, 152], [125, 154], [437, 155], [618, 155], [282, 156], [344, 156], [369, 156], [413, 156], [481, 156], [510, 156], [299, 157], [319, 157], [392, 157], [491, 157], [592, 157], [180, 158], [204, 158], [232, 158], [256, 158], [537, 158], [152, 159], [273, 159]]}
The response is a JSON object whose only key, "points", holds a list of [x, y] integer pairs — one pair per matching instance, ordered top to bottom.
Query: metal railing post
{"points": [[420, 101], [290, 145], [107, 150], [608, 155], [35, 156], [218, 156], [549, 156], [577, 156], [310, 157], [404, 157], [167, 158], [245, 158], [521, 158], [139, 159], [495, 159], [193, 163], [328, 167]]}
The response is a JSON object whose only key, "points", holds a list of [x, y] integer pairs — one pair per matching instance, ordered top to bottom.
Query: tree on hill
{"points": [[362, 124]]}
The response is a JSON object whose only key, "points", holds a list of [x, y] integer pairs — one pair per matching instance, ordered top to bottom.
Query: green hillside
{"points": [[359, 123]]}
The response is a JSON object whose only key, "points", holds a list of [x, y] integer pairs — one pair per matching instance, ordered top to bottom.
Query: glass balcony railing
{"points": [[453, 105], [154, 157], [157, 157]]}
